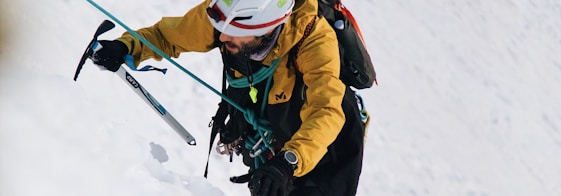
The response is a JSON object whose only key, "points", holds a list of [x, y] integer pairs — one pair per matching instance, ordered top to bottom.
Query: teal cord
{"points": [[274, 64], [258, 76], [264, 133]]}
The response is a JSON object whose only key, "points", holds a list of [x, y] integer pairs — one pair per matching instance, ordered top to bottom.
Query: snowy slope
{"points": [[468, 103]]}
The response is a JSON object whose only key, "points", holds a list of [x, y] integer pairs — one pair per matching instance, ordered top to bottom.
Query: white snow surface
{"points": [[468, 103]]}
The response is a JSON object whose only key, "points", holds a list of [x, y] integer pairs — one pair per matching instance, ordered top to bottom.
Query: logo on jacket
{"points": [[280, 96]]}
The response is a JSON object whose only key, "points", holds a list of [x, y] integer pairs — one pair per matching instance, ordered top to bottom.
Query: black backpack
{"points": [[356, 66]]}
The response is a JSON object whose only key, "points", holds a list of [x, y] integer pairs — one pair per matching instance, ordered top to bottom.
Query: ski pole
{"points": [[134, 84]]}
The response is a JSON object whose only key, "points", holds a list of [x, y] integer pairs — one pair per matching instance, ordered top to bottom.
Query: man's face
{"points": [[240, 44]]}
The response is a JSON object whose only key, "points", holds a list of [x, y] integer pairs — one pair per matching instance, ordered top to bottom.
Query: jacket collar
{"points": [[303, 13]]}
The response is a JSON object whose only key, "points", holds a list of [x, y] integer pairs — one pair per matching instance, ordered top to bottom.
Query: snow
{"points": [[468, 103]]}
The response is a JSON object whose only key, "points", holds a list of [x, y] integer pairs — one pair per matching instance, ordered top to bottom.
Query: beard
{"points": [[244, 48], [238, 56]]}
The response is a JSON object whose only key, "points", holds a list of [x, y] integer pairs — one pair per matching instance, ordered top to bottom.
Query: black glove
{"points": [[111, 55], [273, 178]]}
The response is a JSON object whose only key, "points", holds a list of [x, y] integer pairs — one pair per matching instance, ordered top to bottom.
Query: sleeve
{"points": [[173, 35], [322, 114]]}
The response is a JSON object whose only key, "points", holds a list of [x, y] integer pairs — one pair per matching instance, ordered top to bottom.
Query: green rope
{"points": [[262, 74], [261, 125]]}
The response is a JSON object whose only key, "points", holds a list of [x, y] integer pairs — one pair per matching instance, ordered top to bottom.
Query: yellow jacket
{"points": [[318, 61]]}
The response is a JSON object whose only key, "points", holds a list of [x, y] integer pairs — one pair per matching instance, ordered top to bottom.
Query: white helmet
{"points": [[248, 17]]}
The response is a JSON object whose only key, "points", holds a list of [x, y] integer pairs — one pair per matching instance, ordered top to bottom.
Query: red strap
{"points": [[339, 6], [218, 15], [299, 44]]}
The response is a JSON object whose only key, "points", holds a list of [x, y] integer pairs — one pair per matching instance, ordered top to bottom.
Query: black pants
{"points": [[339, 170]]}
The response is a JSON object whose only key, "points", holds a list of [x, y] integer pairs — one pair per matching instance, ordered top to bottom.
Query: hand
{"points": [[111, 55], [273, 178]]}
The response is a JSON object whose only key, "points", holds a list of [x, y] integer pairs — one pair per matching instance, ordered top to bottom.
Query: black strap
{"points": [[217, 121]]}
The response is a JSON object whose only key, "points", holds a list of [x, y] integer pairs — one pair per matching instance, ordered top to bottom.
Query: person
{"points": [[317, 136]]}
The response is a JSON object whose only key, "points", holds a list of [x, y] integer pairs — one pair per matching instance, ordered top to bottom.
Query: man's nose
{"points": [[224, 37]]}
